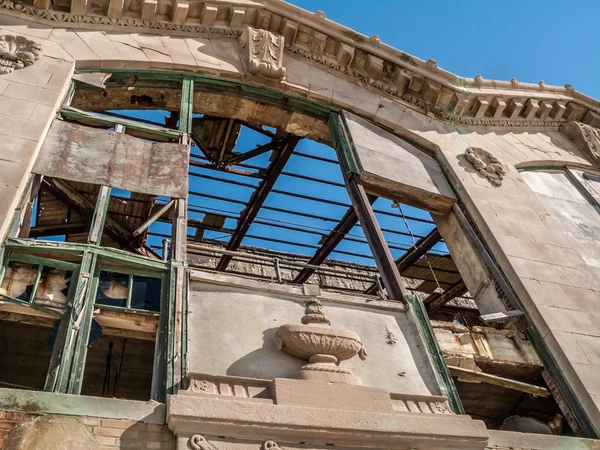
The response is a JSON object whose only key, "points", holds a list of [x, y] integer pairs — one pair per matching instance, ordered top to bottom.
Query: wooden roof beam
{"points": [[258, 198], [85, 207], [331, 241], [422, 246], [439, 299]]}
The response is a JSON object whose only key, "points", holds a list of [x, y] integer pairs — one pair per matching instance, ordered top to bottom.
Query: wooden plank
{"points": [[78, 153], [391, 167], [258, 198], [157, 215], [421, 247], [381, 253], [439, 299], [499, 316], [473, 376]]}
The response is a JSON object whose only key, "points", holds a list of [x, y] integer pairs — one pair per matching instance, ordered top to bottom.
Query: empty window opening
{"points": [[119, 367]]}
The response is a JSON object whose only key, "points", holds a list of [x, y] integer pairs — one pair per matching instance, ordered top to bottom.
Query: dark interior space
{"points": [[119, 367]]}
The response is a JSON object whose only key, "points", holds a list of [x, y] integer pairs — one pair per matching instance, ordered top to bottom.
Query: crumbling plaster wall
{"points": [[530, 246]]}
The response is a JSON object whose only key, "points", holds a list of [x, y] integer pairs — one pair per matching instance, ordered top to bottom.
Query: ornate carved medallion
{"points": [[17, 52], [265, 53], [586, 137], [487, 164], [199, 442], [270, 445]]}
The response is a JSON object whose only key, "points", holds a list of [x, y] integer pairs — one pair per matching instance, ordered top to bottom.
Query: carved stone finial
{"points": [[320, 16], [375, 39], [17, 52], [265, 53], [431, 64], [479, 80], [514, 83], [542, 84], [569, 88], [586, 137], [487, 164], [315, 313], [199, 442], [270, 445]]}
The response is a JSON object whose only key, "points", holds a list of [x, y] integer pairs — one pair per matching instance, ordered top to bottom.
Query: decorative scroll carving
{"points": [[17, 52], [265, 52], [586, 137], [487, 164], [324, 347], [199, 442], [270, 445]]}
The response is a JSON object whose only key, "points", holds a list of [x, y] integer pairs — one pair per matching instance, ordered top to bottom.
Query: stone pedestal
{"points": [[310, 415]]}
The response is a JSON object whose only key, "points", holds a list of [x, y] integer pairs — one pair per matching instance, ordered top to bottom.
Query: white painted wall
{"points": [[232, 331]]}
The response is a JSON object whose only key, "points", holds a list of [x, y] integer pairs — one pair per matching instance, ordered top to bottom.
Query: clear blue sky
{"points": [[531, 40]]}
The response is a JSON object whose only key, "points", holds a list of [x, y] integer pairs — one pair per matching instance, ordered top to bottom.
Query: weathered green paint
{"points": [[187, 101], [76, 114], [341, 141], [100, 212], [31, 259], [17, 301], [81, 323], [440, 369], [37, 402]]}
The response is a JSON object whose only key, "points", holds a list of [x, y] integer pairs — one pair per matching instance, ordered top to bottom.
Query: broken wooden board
{"points": [[79, 153], [392, 168]]}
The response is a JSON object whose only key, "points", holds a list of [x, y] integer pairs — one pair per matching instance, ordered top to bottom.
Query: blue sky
{"points": [[555, 41]]}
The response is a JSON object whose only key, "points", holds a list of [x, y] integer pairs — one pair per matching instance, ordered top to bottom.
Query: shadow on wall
{"points": [[266, 362]]}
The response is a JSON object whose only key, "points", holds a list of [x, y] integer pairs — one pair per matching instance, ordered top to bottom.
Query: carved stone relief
{"points": [[17, 52], [265, 53], [586, 137], [487, 164], [324, 347], [199, 442], [270, 445]]}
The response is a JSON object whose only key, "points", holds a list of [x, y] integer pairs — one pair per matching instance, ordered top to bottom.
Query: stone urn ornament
{"points": [[323, 346]]}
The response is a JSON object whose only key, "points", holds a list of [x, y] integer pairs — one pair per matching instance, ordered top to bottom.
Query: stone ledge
{"points": [[293, 290], [37, 402], [186, 415], [528, 441]]}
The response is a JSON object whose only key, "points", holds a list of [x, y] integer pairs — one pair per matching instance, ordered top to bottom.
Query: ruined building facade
{"points": [[237, 225]]}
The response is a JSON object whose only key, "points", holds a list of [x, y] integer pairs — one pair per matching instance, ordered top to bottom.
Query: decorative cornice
{"points": [[421, 85]]}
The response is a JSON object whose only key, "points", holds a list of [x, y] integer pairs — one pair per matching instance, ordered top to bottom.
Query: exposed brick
{"points": [[91, 421], [110, 432], [107, 441]]}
